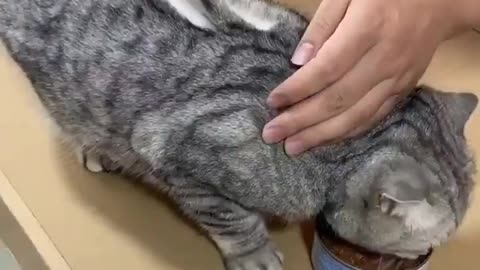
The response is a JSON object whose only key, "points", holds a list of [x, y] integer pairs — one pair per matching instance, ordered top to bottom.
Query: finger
{"points": [[321, 27], [336, 57], [406, 84], [334, 100], [384, 110], [341, 125]]}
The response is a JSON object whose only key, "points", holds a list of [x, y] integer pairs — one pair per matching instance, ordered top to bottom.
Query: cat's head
{"points": [[412, 190]]}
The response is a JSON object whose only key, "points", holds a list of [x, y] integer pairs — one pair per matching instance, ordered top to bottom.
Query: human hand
{"points": [[360, 57]]}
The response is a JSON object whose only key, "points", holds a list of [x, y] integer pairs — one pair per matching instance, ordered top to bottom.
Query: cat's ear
{"points": [[459, 106], [397, 192], [404, 193], [390, 204], [415, 212]]}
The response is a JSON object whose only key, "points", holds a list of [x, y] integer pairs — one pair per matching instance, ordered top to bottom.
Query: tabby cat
{"points": [[174, 92]]}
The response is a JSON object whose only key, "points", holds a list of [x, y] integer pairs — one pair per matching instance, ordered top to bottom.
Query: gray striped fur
{"points": [[136, 88]]}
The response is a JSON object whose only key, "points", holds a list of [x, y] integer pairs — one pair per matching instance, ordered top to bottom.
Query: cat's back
{"points": [[77, 30], [86, 57], [120, 58], [101, 65], [136, 74]]}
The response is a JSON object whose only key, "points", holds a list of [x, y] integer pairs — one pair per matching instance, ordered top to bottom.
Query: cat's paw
{"points": [[90, 162], [96, 163], [93, 164], [265, 258]]}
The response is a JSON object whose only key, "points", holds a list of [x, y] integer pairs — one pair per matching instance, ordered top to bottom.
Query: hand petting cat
{"points": [[359, 58]]}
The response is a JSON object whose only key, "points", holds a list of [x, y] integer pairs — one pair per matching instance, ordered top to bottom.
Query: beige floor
{"points": [[98, 222]]}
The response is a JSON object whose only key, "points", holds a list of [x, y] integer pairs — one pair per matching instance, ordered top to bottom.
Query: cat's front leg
{"points": [[240, 235], [266, 257]]}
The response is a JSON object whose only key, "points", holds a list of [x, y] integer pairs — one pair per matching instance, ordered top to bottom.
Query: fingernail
{"points": [[303, 54], [276, 100], [272, 134], [294, 148]]}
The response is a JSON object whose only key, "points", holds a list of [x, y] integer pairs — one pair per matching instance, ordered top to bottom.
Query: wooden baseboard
{"points": [[32, 228]]}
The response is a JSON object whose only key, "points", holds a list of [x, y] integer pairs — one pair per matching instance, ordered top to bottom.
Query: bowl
{"points": [[330, 252]]}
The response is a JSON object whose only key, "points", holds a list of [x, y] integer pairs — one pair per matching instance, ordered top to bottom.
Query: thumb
{"points": [[323, 24]]}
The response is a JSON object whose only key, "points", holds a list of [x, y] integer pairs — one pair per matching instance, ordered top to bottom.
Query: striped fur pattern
{"points": [[139, 87]]}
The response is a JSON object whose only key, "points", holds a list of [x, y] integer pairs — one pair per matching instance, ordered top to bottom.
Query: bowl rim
{"points": [[332, 255]]}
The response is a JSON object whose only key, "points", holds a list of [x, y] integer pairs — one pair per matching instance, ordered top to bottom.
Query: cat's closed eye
{"points": [[365, 204]]}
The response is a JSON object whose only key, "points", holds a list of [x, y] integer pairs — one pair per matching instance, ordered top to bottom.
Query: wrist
{"points": [[469, 13], [456, 17]]}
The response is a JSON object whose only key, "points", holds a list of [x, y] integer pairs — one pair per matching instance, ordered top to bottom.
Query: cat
{"points": [[174, 92]]}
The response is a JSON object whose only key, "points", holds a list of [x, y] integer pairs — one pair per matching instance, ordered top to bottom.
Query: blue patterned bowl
{"points": [[323, 259]]}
